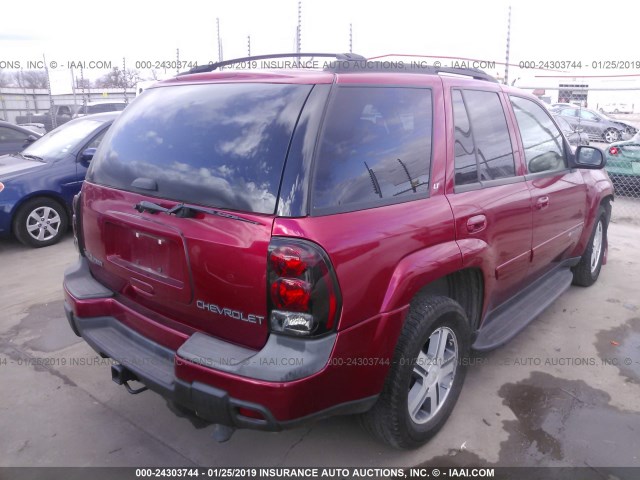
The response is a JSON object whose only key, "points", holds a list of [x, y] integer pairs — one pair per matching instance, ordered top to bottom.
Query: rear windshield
{"points": [[221, 145]]}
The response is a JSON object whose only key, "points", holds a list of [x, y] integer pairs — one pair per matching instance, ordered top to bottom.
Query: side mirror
{"points": [[30, 139], [88, 154], [588, 157]]}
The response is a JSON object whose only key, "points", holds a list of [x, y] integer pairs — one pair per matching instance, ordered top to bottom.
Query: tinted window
{"points": [[100, 108], [585, 115], [8, 135], [95, 143], [543, 143], [222, 145], [375, 147], [493, 152], [465, 153]]}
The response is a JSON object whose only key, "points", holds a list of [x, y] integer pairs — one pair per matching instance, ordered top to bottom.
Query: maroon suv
{"points": [[265, 248]]}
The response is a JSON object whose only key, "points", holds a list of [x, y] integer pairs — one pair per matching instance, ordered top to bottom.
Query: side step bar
{"points": [[510, 318]]}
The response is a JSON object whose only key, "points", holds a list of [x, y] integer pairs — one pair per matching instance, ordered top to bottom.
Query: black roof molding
{"points": [[348, 57], [351, 63], [398, 66]]}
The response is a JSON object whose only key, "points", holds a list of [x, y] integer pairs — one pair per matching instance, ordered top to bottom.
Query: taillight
{"points": [[614, 150], [76, 222], [304, 298]]}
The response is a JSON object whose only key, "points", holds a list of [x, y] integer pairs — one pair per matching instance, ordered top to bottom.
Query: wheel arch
{"points": [[56, 197], [602, 197], [437, 270], [466, 287]]}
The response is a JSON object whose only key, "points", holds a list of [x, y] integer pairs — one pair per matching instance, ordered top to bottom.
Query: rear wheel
{"points": [[40, 222], [587, 271], [426, 376]]}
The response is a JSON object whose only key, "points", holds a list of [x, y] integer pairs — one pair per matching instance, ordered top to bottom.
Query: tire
{"points": [[611, 135], [40, 222], [588, 269], [430, 319]]}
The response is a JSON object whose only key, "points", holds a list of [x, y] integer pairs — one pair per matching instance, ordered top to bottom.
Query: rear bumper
{"points": [[288, 382]]}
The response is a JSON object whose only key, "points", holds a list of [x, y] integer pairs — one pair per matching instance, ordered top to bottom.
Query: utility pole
{"points": [[299, 29], [350, 38], [219, 40], [248, 45], [506, 65], [54, 123]]}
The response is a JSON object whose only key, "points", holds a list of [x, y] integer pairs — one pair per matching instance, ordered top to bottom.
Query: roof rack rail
{"points": [[350, 57], [391, 66]]}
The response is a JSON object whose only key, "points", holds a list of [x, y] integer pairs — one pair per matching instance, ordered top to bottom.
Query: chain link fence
{"points": [[51, 96], [599, 112], [608, 119]]}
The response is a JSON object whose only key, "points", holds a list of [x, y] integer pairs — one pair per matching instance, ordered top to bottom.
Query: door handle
{"points": [[542, 202], [476, 224]]}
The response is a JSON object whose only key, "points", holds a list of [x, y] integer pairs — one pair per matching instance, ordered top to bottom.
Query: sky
{"points": [[152, 31]]}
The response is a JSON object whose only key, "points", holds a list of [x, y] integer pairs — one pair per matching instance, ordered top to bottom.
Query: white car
{"points": [[100, 107], [616, 108]]}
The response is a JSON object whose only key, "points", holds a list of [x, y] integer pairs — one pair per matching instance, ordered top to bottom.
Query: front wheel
{"points": [[611, 135], [40, 222], [588, 269], [426, 376]]}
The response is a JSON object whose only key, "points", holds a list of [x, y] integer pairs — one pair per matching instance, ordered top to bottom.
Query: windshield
{"points": [[562, 123], [63, 140], [219, 145]]}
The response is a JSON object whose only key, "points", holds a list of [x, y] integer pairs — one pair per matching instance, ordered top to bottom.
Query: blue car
{"points": [[37, 185]]}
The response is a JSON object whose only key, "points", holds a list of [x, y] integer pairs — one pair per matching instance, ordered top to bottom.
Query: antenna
{"points": [[506, 64]]}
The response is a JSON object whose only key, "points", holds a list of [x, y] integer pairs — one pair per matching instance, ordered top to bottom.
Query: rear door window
{"points": [[220, 145], [375, 148], [483, 149]]}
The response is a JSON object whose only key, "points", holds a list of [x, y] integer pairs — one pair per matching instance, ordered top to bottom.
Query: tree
{"points": [[132, 77], [117, 78], [4, 79], [30, 79], [113, 79], [83, 83]]}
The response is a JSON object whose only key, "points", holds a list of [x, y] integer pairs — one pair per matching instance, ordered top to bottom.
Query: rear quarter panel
{"points": [[382, 256]]}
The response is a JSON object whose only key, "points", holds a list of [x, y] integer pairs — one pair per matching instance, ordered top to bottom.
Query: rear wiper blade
{"points": [[150, 207], [187, 211]]}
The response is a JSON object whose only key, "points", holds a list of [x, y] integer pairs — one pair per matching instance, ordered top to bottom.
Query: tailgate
{"points": [[207, 272]]}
